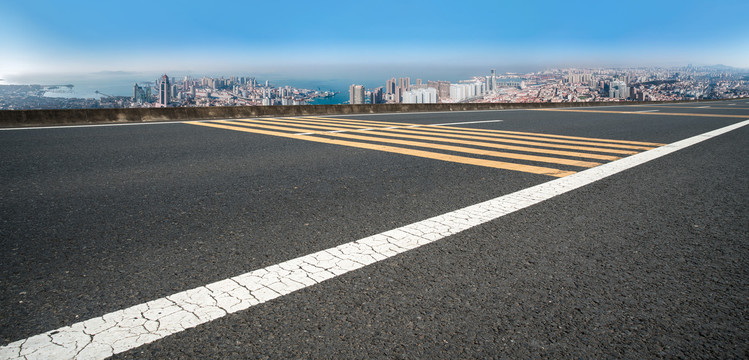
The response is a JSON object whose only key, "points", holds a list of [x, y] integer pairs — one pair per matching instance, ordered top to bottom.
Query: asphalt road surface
{"points": [[649, 262]]}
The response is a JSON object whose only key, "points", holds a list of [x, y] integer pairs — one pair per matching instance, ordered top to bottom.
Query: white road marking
{"points": [[646, 111], [468, 122], [97, 125], [396, 127], [126, 329]]}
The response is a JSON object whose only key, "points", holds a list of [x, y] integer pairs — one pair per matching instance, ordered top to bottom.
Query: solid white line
{"points": [[702, 107], [646, 111], [468, 122], [97, 125], [141, 324]]}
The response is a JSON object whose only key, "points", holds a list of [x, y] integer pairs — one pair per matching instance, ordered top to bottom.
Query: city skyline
{"points": [[306, 40], [548, 86]]}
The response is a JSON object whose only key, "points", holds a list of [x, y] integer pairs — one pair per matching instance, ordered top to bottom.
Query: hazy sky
{"points": [[319, 38]]}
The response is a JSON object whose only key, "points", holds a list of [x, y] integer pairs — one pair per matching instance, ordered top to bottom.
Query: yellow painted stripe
{"points": [[695, 107], [646, 113], [344, 122], [328, 123], [386, 123], [492, 131], [502, 136], [447, 139], [521, 142], [486, 144], [397, 150], [467, 150]]}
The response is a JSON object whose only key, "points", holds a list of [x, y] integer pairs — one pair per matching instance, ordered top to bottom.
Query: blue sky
{"points": [[320, 38]]}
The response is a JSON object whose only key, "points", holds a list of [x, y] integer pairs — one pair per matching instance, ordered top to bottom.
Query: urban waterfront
{"points": [[123, 90]]}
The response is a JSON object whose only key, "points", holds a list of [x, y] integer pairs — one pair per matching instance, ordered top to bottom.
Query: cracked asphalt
{"points": [[648, 263]]}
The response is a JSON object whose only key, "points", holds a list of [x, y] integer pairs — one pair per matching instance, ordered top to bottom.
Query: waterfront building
{"points": [[139, 94], [356, 94]]}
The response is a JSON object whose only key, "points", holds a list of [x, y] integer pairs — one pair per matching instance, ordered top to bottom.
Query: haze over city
{"points": [[361, 40]]}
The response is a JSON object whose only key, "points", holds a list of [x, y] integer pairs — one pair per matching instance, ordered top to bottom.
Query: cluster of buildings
{"points": [[551, 85], [567, 85], [401, 90], [207, 91]]}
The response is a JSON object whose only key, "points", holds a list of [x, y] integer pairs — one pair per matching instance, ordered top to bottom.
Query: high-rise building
{"points": [[492, 83], [404, 84], [390, 86], [443, 90], [618, 90], [164, 91], [458, 92], [139, 94], [356, 94], [376, 96], [420, 96]]}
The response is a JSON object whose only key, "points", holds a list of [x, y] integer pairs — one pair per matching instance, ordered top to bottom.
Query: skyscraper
{"points": [[404, 84], [492, 84], [390, 86], [164, 91], [139, 94], [356, 94], [376, 96]]}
